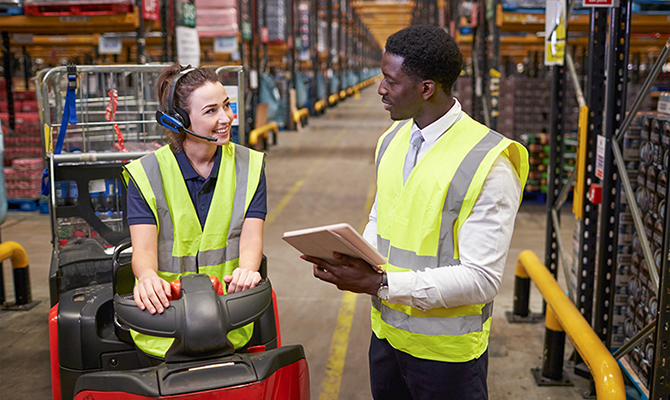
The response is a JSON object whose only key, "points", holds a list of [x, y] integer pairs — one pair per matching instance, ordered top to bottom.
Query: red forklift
{"points": [[92, 353]]}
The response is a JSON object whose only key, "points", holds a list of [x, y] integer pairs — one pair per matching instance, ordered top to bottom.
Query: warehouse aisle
{"points": [[323, 174]]}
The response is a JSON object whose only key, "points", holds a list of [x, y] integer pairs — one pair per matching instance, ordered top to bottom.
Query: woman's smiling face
{"points": [[210, 113]]}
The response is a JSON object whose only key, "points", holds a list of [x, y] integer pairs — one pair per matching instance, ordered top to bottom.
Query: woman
{"points": [[196, 205]]}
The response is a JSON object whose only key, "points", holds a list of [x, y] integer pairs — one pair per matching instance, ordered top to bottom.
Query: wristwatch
{"points": [[383, 291]]}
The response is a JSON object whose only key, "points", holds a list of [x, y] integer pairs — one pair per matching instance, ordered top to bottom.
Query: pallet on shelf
{"points": [[77, 8]]}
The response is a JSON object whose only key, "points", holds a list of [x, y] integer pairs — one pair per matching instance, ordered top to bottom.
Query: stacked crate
{"points": [[78, 7], [216, 18], [275, 20], [302, 41], [464, 93], [524, 105], [532, 105], [506, 108], [23, 146], [539, 150], [538, 158], [23, 180], [650, 194], [626, 236]]}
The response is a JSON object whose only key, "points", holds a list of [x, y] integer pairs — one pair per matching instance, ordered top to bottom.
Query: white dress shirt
{"points": [[483, 240]]}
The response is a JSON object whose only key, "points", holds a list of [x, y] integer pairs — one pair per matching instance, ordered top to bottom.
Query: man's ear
{"points": [[428, 88]]}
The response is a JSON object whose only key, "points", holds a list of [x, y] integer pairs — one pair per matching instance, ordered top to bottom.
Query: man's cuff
{"points": [[400, 287]]}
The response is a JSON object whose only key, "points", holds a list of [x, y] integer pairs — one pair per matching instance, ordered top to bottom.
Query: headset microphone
{"points": [[176, 119], [176, 126]]}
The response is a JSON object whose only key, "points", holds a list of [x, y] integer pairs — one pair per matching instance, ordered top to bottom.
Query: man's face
{"points": [[401, 94]]}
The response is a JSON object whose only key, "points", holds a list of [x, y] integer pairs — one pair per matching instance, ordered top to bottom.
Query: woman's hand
{"points": [[241, 279], [152, 292]]}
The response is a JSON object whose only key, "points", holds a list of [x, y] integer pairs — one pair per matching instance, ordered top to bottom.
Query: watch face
{"points": [[383, 293]]}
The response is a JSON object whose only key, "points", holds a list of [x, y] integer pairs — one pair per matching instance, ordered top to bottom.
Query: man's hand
{"points": [[354, 275], [241, 279], [152, 293]]}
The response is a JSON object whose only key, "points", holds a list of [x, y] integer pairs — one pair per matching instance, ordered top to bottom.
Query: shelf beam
{"points": [[530, 22], [70, 24]]}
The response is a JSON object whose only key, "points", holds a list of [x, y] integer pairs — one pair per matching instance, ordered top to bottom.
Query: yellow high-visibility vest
{"points": [[417, 228], [184, 247]]}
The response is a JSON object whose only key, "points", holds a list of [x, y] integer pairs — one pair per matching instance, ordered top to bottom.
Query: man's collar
{"points": [[433, 131]]}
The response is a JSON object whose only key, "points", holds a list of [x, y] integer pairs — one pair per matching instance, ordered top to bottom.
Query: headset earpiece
{"points": [[182, 116], [174, 118]]}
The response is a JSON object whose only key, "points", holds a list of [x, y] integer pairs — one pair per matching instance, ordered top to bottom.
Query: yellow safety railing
{"points": [[343, 94], [333, 98], [319, 105], [300, 114], [262, 131], [14, 251], [22, 293], [604, 368]]}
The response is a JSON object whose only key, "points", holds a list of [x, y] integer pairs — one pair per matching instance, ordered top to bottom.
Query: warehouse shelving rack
{"points": [[350, 45], [595, 260], [591, 270]]}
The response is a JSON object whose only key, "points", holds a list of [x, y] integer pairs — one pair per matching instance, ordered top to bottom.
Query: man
{"points": [[448, 190]]}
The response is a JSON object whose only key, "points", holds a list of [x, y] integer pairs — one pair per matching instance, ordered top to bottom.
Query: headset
{"points": [[176, 119]]}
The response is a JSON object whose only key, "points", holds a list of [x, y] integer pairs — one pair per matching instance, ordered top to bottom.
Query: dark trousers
{"points": [[395, 375]]}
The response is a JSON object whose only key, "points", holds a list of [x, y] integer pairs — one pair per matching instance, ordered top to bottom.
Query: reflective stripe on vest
{"points": [[388, 138], [452, 206], [215, 256], [176, 264], [433, 325], [454, 334]]}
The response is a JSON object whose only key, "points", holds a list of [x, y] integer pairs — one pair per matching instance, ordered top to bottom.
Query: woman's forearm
{"points": [[251, 244], [145, 249]]}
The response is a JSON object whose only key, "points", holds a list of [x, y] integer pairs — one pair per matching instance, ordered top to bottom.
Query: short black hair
{"points": [[428, 52]]}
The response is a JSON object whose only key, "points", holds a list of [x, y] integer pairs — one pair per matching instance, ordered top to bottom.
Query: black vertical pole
{"points": [[241, 11], [175, 22], [141, 39], [165, 40], [329, 49], [314, 50], [340, 55], [7, 57], [290, 58], [254, 65], [493, 70], [480, 71], [344, 72], [27, 73], [595, 99], [615, 112], [556, 174], [555, 179], [660, 382]]}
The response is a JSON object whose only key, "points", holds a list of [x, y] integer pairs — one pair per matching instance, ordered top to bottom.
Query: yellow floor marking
{"points": [[272, 215], [330, 387]]}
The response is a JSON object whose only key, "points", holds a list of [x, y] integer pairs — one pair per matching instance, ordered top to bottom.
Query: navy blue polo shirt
{"points": [[201, 191]]}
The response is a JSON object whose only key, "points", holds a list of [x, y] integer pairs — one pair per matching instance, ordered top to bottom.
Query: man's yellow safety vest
{"points": [[417, 228], [184, 247]]}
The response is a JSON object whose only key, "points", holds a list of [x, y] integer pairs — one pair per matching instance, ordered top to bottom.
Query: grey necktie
{"points": [[410, 159]]}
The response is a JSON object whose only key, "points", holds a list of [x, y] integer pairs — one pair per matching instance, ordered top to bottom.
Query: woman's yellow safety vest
{"points": [[417, 228], [184, 247]]}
